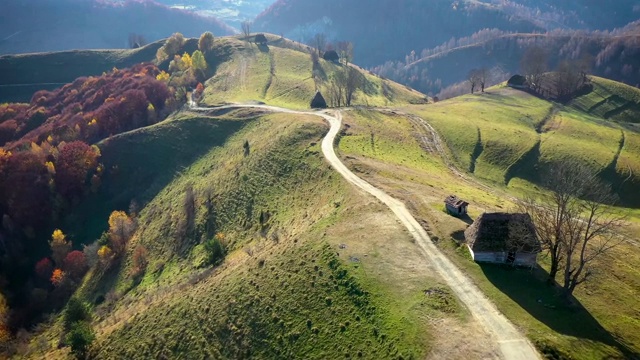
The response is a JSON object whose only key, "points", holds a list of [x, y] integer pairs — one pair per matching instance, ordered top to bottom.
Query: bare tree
{"points": [[246, 28], [136, 41], [320, 42], [345, 50], [534, 64], [483, 75], [474, 79], [568, 79], [343, 86], [574, 223]]}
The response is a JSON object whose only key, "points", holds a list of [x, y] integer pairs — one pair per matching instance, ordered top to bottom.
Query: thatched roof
{"points": [[260, 39], [331, 55], [517, 80], [318, 101], [455, 202], [496, 232]]}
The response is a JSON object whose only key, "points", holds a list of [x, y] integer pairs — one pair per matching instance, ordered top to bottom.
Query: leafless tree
{"points": [[246, 28], [136, 41], [320, 42], [345, 50], [534, 64], [483, 75], [474, 79], [568, 79], [343, 85], [574, 222]]}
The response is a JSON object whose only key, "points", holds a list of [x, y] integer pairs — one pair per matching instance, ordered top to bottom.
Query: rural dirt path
{"points": [[512, 344]]}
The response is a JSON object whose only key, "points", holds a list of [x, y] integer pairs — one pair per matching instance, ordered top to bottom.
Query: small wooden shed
{"points": [[455, 206], [504, 239]]}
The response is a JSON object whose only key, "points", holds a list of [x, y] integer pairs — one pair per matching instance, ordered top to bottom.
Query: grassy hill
{"points": [[282, 74], [541, 134], [392, 150], [299, 280]]}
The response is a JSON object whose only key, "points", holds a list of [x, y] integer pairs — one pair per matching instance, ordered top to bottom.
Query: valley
{"points": [[264, 195]]}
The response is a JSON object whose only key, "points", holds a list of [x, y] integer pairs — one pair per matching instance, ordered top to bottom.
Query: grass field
{"points": [[282, 75], [611, 100], [539, 134], [311, 282], [604, 323]]}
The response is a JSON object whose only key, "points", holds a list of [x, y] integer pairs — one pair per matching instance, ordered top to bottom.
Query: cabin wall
{"points": [[498, 257]]}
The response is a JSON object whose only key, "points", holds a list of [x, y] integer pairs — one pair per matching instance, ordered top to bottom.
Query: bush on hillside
{"points": [[205, 44], [215, 250], [76, 311], [80, 338]]}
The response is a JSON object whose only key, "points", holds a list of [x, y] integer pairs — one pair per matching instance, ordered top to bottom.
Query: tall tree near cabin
{"points": [[574, 222]]}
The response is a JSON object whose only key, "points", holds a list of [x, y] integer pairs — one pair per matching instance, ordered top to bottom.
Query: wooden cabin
{"points": [[260, 39], [331, 55], [518, 82], [455, 206], [503, 238]]}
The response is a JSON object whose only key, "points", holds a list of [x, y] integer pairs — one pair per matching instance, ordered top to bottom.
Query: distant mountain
{"points": [[43, 25], [388, 29], [384, 30]]}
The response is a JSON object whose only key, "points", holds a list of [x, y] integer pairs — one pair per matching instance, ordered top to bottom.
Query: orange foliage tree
{"points": [[57, 277]]}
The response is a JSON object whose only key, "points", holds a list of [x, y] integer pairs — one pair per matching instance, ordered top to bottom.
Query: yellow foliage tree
{"points": [[187, 62], [163, 76], [50, 167], [121, 228], [60, 247], [105, 255]]}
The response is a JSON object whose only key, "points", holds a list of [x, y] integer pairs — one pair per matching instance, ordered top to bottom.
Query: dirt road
{"points": [[512, 344]]}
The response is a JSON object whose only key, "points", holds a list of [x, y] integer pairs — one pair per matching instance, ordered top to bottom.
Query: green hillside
{"points": [[281, 74], [540, 134], [392, 150], [297, 280]]}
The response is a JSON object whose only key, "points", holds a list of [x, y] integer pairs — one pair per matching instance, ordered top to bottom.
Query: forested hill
{"points": [[43, 25], [384, 29]]}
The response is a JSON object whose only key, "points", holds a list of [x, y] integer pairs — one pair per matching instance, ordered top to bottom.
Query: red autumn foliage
{"points": [[118, 101], [75, 161], [24, 188], [75, 264], [44, 268]]}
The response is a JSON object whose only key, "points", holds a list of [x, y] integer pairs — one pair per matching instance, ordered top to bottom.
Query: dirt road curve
{"points": [[513, 345]]}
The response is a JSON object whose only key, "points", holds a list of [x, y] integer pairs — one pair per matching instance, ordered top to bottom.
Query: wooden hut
{"points": [[260, 39], [331, 55], [518, 82], [318, 101], [455, 206], [504, 239]]}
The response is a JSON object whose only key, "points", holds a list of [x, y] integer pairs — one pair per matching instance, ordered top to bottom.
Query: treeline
{"points": [[612, 54], [47, 166]]}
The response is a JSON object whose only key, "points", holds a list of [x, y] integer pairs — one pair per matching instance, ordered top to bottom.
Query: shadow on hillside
{"points": [[141, 164], [529, 289]]}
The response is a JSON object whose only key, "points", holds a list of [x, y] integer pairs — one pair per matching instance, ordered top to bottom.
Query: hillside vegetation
{"points": [[281, 74], [541, 134], [394, 151], [296, 282]]}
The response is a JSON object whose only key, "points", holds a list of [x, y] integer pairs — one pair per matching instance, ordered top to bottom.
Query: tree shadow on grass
{"points": [[530, 290]]}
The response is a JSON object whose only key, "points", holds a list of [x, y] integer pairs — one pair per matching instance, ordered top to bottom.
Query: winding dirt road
{"points": [[512, 344]]}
